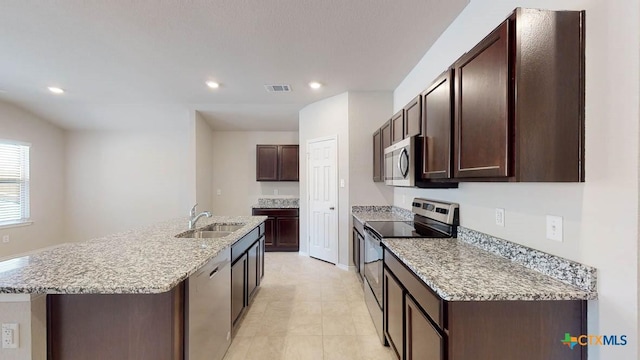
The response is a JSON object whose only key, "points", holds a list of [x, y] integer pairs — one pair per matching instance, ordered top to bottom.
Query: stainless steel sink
{"points": [[223, 227], [203, 234]]}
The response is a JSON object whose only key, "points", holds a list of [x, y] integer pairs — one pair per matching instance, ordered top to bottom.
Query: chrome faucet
{"points": [[193, 218]]}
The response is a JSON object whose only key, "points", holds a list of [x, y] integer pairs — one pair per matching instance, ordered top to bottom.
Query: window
{"points": [[14, 183]]}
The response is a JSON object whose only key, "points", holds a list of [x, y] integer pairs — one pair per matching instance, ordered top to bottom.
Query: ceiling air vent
{"points": [[278, 88]]}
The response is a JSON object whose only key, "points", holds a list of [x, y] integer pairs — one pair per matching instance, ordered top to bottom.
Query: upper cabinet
{"points": [[519, 101], [482, 108], [413, 117], [437, 121], [397, 127], [385, 132], [377, 156], [277, 162]]}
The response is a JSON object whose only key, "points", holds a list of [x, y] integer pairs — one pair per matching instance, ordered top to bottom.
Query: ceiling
{"points": [[133, 63]]}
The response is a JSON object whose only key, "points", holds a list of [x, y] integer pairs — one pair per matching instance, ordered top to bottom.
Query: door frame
{"points": [[337, 183]]}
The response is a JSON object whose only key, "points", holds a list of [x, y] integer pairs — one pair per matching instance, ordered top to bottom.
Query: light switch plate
{"points": [[341, 183], [500, 217], [554, 228]]}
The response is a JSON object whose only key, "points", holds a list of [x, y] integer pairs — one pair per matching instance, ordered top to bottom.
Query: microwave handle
{"points": [[403, 153]]}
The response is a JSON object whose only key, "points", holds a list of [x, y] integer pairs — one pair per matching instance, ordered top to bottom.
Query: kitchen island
{"points": [[126, 295]]}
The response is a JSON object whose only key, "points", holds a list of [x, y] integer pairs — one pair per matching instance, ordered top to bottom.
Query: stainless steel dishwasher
{"points": [[208, 324]]}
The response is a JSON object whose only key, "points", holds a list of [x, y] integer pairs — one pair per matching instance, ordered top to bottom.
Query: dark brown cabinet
{"points": [[519, 98], [482, 114], [413, 117], [437, 121], [397, 127], [385, 132], [377, 156], [277, 162], [282, 230], [357, 255], [253, 273], [238, 292], [394, 313], [421, 325], [422, 340]]}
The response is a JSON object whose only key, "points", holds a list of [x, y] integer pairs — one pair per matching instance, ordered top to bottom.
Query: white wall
{"points": [[367, 111], [327, 117], [203, 163], [47, 170], [234, 170], [119, 180], [601, 215]]}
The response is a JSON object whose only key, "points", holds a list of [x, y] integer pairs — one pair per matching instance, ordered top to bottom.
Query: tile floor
{"points": [[307, 309]]}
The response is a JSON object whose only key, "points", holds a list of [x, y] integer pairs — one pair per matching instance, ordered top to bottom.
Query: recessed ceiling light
{"points": [[213, 84], [315, 85], [55, 90]]}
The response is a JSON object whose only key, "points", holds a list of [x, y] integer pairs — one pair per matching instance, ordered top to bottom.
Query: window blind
{"points": [[14, 183]]}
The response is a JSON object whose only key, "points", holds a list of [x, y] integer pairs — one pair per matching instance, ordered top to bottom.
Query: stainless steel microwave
{"points": [[399, 163]]}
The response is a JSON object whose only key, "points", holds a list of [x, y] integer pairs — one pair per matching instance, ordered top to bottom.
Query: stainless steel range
{"points": [[432, 219]]}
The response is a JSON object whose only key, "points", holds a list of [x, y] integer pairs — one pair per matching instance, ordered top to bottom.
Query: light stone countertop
{"points": [[149, 260], [458, 271]]}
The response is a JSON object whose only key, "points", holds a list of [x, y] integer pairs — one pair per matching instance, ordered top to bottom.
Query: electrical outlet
{"points": [[341, 183], [275, 191], [218, 192], [500, 217], [554, 228], [5, 238], [10, 336]]}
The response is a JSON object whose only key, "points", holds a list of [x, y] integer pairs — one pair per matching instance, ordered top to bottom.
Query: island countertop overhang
{"points": [[148, 260]]}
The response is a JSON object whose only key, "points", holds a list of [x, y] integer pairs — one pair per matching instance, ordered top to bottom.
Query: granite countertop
{"points": [[277, 203], [380, 213], [144, 261], [458, 271]]}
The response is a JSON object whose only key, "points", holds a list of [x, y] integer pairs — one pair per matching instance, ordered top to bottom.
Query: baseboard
{"points": [[302, 253], [344, 267]]}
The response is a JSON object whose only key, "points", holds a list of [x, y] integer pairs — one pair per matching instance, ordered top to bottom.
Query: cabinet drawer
{"points": [[275, 212], [425, 298]]}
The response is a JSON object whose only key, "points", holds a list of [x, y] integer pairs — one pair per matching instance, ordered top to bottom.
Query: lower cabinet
{"points": [[282, 228], [358, 247], [252, 269], [238, 294], [394, 313], [418, 324], [422, 340]]}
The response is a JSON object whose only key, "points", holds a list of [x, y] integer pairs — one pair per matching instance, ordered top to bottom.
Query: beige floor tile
{"points": [[307, 308], [336, 308], [305, 325], [338, 325], [364, 326], [299, 347], [340, 347], [266, 348], [370, 348], [238, 349]]}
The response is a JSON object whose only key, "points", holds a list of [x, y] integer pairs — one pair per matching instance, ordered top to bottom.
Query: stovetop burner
{"points": [[432, 219]]}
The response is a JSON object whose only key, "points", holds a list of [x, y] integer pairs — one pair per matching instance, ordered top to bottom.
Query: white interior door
{"points": [[323, 199]]}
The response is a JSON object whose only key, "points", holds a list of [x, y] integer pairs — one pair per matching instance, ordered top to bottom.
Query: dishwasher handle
{"points": [[214, 272]]}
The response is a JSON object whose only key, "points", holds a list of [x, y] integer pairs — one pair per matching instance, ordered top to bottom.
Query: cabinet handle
{"points": [[332, 208], [213, 272]]}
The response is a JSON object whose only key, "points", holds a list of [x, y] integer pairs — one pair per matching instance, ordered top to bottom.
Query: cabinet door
{"points": [[413, 117], [437, 117], [482, 126], [397, 127], [385, 132], [377, 156], [266, 162], [288, 163], [270, 233], [288, 233], [355, 255], [261, 259], [361, 266], [252, 269], [238, 289], [393, 313], [422, 340]]}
